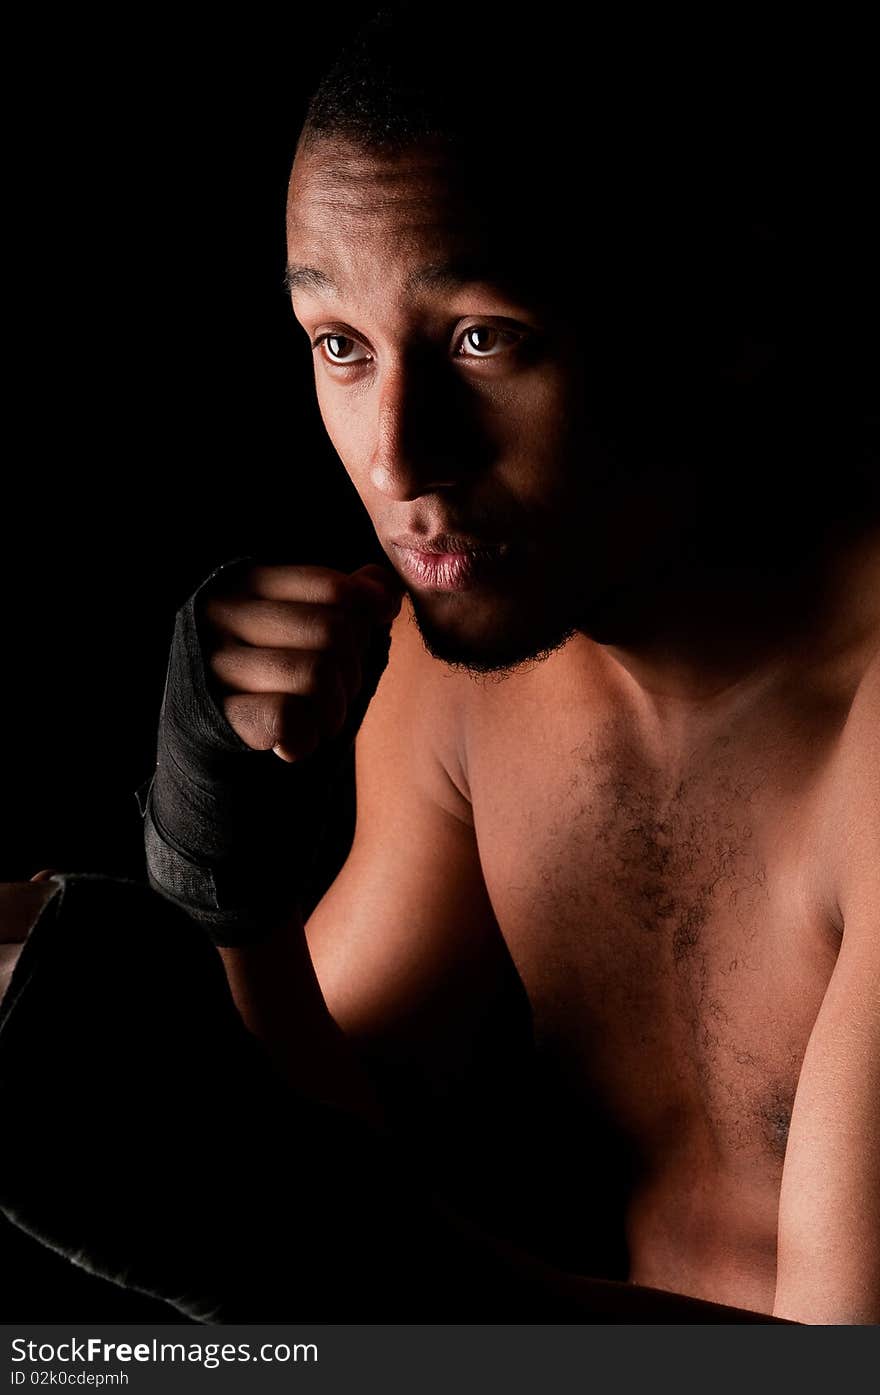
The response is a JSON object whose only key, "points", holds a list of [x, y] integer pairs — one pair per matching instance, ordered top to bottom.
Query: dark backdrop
{"points": [[162, 409], [160, 417]]}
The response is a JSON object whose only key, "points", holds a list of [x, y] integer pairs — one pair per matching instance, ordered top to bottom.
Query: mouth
{"points": [[449, 562]]}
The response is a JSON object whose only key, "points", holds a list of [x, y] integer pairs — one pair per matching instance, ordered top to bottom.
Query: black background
{"points": [[161, 412], [160, 417]]}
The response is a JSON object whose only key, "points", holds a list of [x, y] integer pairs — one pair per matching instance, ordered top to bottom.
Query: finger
{"points": [[383, 576], [309, 585], [381, 586], [271, 624], [242, 668], [265, 720], [297, 721], [44, 876]]}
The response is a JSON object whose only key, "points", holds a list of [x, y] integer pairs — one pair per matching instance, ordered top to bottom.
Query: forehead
{"points": [[335, 173], [336, 177], [352, 210]]}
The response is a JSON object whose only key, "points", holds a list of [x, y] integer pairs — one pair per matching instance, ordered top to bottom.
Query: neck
{"points": [[722, 619]]}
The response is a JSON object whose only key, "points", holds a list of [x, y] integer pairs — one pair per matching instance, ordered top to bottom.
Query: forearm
{"points": [[276, 991]]}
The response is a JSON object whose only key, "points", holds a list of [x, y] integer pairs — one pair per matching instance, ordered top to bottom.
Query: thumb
{"points": [[383, 587]]}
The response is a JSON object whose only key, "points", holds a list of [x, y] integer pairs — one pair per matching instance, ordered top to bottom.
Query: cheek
{"points": [[330, 414], [343, 424], [349, 431]]}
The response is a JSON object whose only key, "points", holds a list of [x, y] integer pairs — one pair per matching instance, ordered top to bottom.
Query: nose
{"points": [[415, 447]]}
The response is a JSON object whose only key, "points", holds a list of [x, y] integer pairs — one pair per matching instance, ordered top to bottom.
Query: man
{"points": [[626, 739]]}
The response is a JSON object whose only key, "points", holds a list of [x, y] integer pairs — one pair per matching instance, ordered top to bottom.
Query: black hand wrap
{"points": [[230, 833]]}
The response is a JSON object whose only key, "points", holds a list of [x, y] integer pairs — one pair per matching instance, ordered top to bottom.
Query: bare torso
{"points": [[663, 883]]}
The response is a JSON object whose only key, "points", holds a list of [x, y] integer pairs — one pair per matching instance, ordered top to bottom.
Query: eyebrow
{"points": [[460, 271], [435, 276], [308, 278]]}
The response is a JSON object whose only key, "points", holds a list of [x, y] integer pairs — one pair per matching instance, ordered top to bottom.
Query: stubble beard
{"points": [[508, 653]]}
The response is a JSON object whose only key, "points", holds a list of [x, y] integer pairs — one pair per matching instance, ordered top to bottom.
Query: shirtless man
{"points": [[627, 737]]}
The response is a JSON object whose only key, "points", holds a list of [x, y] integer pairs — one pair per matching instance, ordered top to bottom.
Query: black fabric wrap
{"points": [[231, 834], [149, 1139]]}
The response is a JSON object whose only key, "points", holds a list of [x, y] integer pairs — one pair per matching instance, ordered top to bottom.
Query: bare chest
{"points": [[667, 921]]}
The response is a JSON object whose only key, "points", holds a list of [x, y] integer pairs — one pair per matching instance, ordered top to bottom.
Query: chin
{"points": [[499, 644]]}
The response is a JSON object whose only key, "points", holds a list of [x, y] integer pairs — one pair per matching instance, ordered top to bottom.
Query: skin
{"points": [[680, 860]]}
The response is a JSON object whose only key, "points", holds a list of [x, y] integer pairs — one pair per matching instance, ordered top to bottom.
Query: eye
{"points": [[485, 341], [341, 350]]}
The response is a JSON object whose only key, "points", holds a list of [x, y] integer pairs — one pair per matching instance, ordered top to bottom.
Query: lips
{"points": [[447, 563]]}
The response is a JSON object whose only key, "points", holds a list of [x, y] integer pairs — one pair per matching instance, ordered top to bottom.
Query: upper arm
{"points": [[405, 939], [829, 1218]]}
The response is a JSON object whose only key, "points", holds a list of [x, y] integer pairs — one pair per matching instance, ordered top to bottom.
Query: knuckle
{"points": [[322, 628], [221, 663], [318, 669], [294, 671]]}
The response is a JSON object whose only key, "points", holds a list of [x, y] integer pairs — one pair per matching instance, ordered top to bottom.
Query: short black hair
{"points": [[412, 74]]}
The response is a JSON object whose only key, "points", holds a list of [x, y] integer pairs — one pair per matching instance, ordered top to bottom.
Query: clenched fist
{"points": [[290, 648], [266, 660]]}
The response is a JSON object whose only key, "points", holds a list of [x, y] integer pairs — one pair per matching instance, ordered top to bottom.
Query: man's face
{"points": [[450, 378]]}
